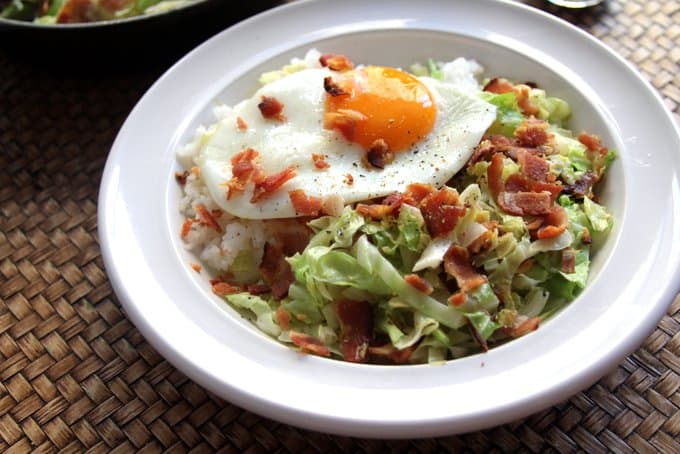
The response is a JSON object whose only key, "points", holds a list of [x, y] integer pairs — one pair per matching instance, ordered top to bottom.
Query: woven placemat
{"points": [[76, 375]]}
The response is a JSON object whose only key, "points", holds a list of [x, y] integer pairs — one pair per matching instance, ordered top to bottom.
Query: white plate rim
{"points": [[315, 415]]}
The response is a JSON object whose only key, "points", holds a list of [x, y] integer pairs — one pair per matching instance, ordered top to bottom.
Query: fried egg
{"points": [[429, 127]]}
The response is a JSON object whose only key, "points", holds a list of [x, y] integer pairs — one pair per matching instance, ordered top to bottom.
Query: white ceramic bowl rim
{"points": [[139, 238]]}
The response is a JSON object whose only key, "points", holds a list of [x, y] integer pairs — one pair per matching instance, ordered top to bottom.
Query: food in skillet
{"points": [[78, 11], [374, 215]]}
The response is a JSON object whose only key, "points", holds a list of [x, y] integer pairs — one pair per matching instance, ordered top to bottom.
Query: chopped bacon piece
{"points": [[74, 11], [336, 62], [498, 85], [332, 88], [522, 93], [271, 108], [344, 120], [241, 124], [532, 132], [592, 142], [379, 154], [319, 160], [244, 166], [533, 166], [494, 175], [181, 177], [349, 179], [266, 186], [583, 187], [416, 192], [523, 203], [304, 204], [375, 211], [441, 211], [206, 218], [556, 221], [534, 223], [186, 227], [291, 234], [586, 238], [457, 264], [568, 264], [196, 267], [276, 271], [419, 283], [223, 289], [257, 289], [457, 299], [282, 318], [523, 328], [356, 329], [309, 344], [390, 353]]}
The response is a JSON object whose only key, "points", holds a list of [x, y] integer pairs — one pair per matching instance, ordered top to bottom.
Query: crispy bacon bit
{"points": [[74, 11], [336, 62], [498, 85], [332, 88], [522, 93], [271, 108], [344, 120], [241, 124], [533, 133], [592, 142], [379, 154], [319, 160], [244, 166], [533, 167], [494, 175], [181, 177], [349, 179], [266, 186], [583, 187], [416, 192], [525, 203], [303, 204], [375, 211], [441, 211], [207, 218], [555, 223], [186, 227], [291, 234], [586, 238], [457, 264], [568, 264], [196, 267], [276, 271], [419, 283], [222, 289], [258, 289], [457, 299], [283, 318], [523, 328], [356, 329], [309, 344], [390, 353]]}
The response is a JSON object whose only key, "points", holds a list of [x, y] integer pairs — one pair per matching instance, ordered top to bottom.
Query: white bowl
{"points": [[634, 275]]}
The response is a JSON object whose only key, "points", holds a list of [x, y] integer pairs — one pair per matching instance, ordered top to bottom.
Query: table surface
{"points": [[76, 375]]}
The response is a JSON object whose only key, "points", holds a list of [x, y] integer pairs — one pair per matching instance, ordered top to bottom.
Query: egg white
{"points": [[461, 121]]}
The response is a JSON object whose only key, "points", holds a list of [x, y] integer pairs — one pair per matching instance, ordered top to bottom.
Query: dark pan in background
{"points": [[136, 41]]}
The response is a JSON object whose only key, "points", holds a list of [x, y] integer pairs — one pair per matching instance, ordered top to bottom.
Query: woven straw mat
{"points": [[75, 374]]}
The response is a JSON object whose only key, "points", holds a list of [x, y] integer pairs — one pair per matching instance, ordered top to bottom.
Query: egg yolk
{"points": [[383, 103]]}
